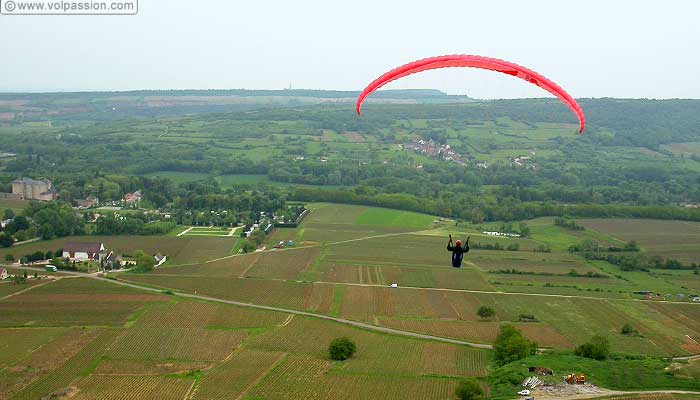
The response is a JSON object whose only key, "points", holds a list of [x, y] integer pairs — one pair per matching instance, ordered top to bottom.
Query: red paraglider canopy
{"points": [[493, 64]]}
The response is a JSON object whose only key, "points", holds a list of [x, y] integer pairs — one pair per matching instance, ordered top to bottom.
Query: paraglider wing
{"points": [[492, 64]]}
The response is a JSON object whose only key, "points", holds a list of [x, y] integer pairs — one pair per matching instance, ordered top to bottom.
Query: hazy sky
{"points": [[592, 48]]}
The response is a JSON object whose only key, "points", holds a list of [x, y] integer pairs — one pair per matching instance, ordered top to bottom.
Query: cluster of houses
{"points": [[435, 150], [524, 161], [44, 190], [134, 198], [131, 199], [291, 218], [263, 224], [501, 234], [97, 252], [651, 295]]}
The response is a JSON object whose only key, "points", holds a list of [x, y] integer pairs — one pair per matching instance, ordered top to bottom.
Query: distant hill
{"points": [[334, 94], [109, 106], [625, 122]]}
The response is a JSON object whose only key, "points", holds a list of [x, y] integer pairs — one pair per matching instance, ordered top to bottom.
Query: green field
{"points": [[687, 148], [223, 180], [15, 205], [335, 223], [672, 239]]}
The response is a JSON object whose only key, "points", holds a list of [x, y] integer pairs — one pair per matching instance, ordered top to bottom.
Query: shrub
{"points": [[6, 240], [248, 246], [10, 258], [144, 262], [486, 312], [527, 318], [628, 330], [511, 345], [598, 348], [341, 349], [469, 389]]}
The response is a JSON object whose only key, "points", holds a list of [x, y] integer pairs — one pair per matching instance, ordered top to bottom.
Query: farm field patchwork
{"points": [[669, 239], [180, 250], [555, 263], [288, 264], [226, 267], [8, 288], [276, 293], [73, 301], [564, 322], [19, 343], [158, 343], [173, 348], [184, 348], [234, 377], [303, 377], [132, 387]]}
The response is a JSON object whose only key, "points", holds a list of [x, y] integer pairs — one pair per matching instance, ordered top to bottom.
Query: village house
{"points": [[436, 150], [30, 189], [132, 198], [88, 202], [79, 252], [160, 259], [113, 261], [3, 274]]}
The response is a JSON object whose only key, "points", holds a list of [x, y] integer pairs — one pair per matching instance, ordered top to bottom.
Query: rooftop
{"points": [[30, 181], [73, 247]]}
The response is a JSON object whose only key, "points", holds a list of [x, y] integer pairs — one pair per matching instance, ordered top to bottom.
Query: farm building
{"points": [[132, 198], [87, 202], [77, 251], [160, 259], [113, 260], [3, 274]]}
